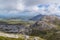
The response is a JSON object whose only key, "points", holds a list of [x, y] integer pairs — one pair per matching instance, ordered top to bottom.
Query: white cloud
{"points": [[35, 2], [30, 5], [20, 7], [35, 8], [13, 12]]}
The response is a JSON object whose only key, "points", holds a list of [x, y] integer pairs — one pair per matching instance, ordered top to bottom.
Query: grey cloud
{"points": [[31, 2], [35, 2], [8, 4], [12, 4]]}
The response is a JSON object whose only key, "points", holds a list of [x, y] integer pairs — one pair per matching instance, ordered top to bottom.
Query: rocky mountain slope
{"points": [[46, 23], [46, 27]]}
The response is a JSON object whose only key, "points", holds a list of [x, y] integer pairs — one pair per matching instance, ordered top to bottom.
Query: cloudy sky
{"points": [[29, 6]]}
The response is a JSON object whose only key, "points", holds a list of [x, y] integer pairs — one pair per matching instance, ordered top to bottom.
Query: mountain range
{"points": [[26, 16]]}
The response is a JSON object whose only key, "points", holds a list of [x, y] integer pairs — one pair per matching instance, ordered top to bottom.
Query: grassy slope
{"points": [[17, 21], [6, 38]]}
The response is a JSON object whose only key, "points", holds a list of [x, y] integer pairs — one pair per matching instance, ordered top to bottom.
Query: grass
{"points": [[17, 21], [7, 38]]}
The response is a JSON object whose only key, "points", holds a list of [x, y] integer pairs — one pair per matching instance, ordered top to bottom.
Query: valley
{"points": [[43, 28]]}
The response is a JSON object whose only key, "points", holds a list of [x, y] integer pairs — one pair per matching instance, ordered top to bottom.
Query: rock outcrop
{"points": [[14, 28]]}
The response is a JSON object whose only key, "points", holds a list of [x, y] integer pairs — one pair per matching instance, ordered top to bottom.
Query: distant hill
{"points": [[24, 17], [38, 17]]}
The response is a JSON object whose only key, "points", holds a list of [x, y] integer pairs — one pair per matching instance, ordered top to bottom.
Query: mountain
{"points": [[38, 17], [46, 23], [46, 27]]}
